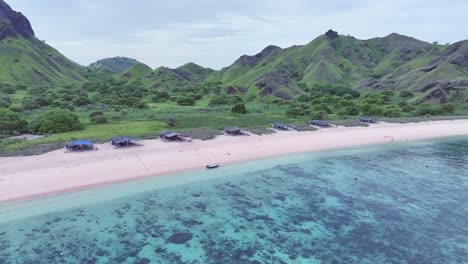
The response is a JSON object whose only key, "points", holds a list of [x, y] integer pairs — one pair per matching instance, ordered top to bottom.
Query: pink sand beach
{"points": [[23, 178]]}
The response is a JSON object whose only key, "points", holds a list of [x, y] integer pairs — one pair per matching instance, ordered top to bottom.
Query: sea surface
{"points": [[398, 203]]}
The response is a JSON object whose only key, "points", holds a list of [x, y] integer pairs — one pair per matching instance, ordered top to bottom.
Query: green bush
{"points": [[406, 94], [160, 97], [303, 98], [225, 99], [185, 100], [4, 103], [323, 107], [407, 108], [428, 108], [447, 108], [239, 109], [297, 110], [352, 110], [373, 110], [392, 111], [97, 117], [56, 121], [11, 122]]}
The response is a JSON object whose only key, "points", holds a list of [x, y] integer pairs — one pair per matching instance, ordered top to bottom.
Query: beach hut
{"points": [[367, 120], [319, 123], [280, 126], [233, 131], [171, 136], [124, 141], [80, 145]]}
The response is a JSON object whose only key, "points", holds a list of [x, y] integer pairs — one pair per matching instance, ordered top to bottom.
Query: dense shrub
{"points": [[406, 94], [160, 97], [225, 99], [186, 100], [4, 103], [324, 108], [407, 108], [428, 108], [447, 108], [239, 109], [298, 110], [373, 110], [392, 111], [97, 117], [56, 121], [11, 122]]}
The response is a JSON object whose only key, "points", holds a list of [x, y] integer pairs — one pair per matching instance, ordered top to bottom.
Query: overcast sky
{"points": [[213, 33]]}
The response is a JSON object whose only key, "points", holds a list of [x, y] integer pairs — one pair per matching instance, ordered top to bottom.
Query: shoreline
{"points": [[56, 172]]}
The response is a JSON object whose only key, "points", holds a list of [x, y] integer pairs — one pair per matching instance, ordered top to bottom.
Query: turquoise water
{"points": [[404, 203]]}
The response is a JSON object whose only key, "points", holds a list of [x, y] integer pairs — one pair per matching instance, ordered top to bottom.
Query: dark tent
{"points": [[367, 120], [319, 123], [232, 130], [171, 136], [123, 141], [79, 145]]}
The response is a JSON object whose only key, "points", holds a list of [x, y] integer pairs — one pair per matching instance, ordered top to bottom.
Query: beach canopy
{"points": [[367, 120], [319, 123], [282, 126], [232, 129], [170, 134], [123, 141], [81, 142]]}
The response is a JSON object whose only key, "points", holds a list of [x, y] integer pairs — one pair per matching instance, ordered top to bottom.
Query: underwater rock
{"points": [[180, 238], [160, 250]]}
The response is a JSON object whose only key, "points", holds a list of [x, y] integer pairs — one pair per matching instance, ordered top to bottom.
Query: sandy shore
{"points": [[23, 178]]}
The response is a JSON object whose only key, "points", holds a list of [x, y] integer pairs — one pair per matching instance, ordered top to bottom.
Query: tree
{"points": [[239, 109], [97, 117], [56, 121], [11, 122]]}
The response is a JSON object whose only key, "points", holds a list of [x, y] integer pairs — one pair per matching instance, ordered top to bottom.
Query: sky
{"points": [[214, 33]]}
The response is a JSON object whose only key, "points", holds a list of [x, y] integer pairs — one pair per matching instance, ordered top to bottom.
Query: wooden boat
{"points": [[212, 166]]}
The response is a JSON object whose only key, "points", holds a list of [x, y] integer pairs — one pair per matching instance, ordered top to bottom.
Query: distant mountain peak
{"points": [[13, 23]]}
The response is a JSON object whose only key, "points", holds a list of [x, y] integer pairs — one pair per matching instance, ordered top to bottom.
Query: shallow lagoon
{"points": [[402, 203]]}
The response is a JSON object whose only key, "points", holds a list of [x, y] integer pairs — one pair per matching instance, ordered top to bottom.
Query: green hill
{"points": [[26, 60], [115, 65], [136, 71]]}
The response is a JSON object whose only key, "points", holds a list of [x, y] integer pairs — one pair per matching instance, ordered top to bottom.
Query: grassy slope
{"points": [[32, 62], [136, 71]]}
